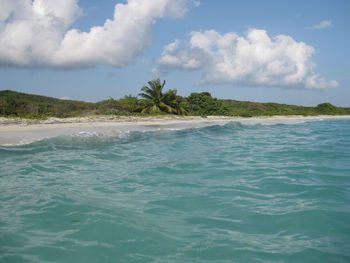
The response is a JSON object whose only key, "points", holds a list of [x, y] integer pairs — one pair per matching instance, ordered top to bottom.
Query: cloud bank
{"points": [[36, 33], [253, 60]]}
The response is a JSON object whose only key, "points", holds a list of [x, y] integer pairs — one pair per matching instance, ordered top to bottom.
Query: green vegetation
{"points": [[153, 101], [16, 104], [203, 104], [249, 109]]}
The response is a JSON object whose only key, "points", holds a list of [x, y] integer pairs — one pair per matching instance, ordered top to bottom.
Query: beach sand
{"points": [[15, 131]]}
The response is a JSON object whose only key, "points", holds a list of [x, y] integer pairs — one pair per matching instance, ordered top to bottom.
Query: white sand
{"points": [[21, 131]]}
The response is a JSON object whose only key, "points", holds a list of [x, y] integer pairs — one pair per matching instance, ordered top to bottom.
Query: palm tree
{"points": [[154, 99], [175, 101], [179, 106]]}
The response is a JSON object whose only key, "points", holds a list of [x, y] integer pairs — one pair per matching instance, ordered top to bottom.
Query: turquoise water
{"points": [[233, 193]]}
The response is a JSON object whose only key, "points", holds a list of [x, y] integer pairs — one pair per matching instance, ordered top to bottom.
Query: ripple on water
{"points": [[242, 193]]}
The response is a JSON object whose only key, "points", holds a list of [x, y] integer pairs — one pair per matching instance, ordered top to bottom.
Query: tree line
{"points": [[152, 100]]}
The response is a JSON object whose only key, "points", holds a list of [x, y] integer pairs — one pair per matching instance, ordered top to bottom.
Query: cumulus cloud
{"points": [[322, 25], [35, 33], [251, 60]]}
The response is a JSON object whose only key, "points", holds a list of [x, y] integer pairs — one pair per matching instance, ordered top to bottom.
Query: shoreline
{"points": [[106, 118], [15, 131]]}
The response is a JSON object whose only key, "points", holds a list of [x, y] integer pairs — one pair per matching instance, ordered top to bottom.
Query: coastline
{"points": [[15, 131]]}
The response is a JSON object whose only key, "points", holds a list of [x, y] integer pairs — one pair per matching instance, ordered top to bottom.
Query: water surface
{"points": [[232, 193]]}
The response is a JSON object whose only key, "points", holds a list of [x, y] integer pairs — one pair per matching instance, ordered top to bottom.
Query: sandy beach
{"points": [[15, 131]]}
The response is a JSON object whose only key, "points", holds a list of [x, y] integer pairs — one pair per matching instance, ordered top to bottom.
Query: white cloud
{"points": [[322, 25], [36, 33], [254, 60]]}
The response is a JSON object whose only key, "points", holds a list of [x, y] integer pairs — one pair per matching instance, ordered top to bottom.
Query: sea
{"points": [[224, 193]]}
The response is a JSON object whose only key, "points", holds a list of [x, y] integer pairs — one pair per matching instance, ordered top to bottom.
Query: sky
{"points": [[293, 52]]}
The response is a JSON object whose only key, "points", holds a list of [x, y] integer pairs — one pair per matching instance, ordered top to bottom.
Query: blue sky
{"points": [[292, 52]]}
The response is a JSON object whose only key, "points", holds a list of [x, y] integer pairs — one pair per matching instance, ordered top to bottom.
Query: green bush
{"points": [[204, 104], [326, 108]]}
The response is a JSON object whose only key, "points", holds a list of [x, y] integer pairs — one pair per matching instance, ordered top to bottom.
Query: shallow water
{"points": [[232, 193]]}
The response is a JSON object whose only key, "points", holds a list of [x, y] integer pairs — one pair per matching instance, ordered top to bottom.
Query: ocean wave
{"points": [[93, 135], [217, 193]]}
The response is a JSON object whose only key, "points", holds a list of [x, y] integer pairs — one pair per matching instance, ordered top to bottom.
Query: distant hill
{"points": [[17, 104], [246, 108]]}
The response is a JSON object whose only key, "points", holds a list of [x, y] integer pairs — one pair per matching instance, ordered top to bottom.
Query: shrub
{"points": [[204, 104]]}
